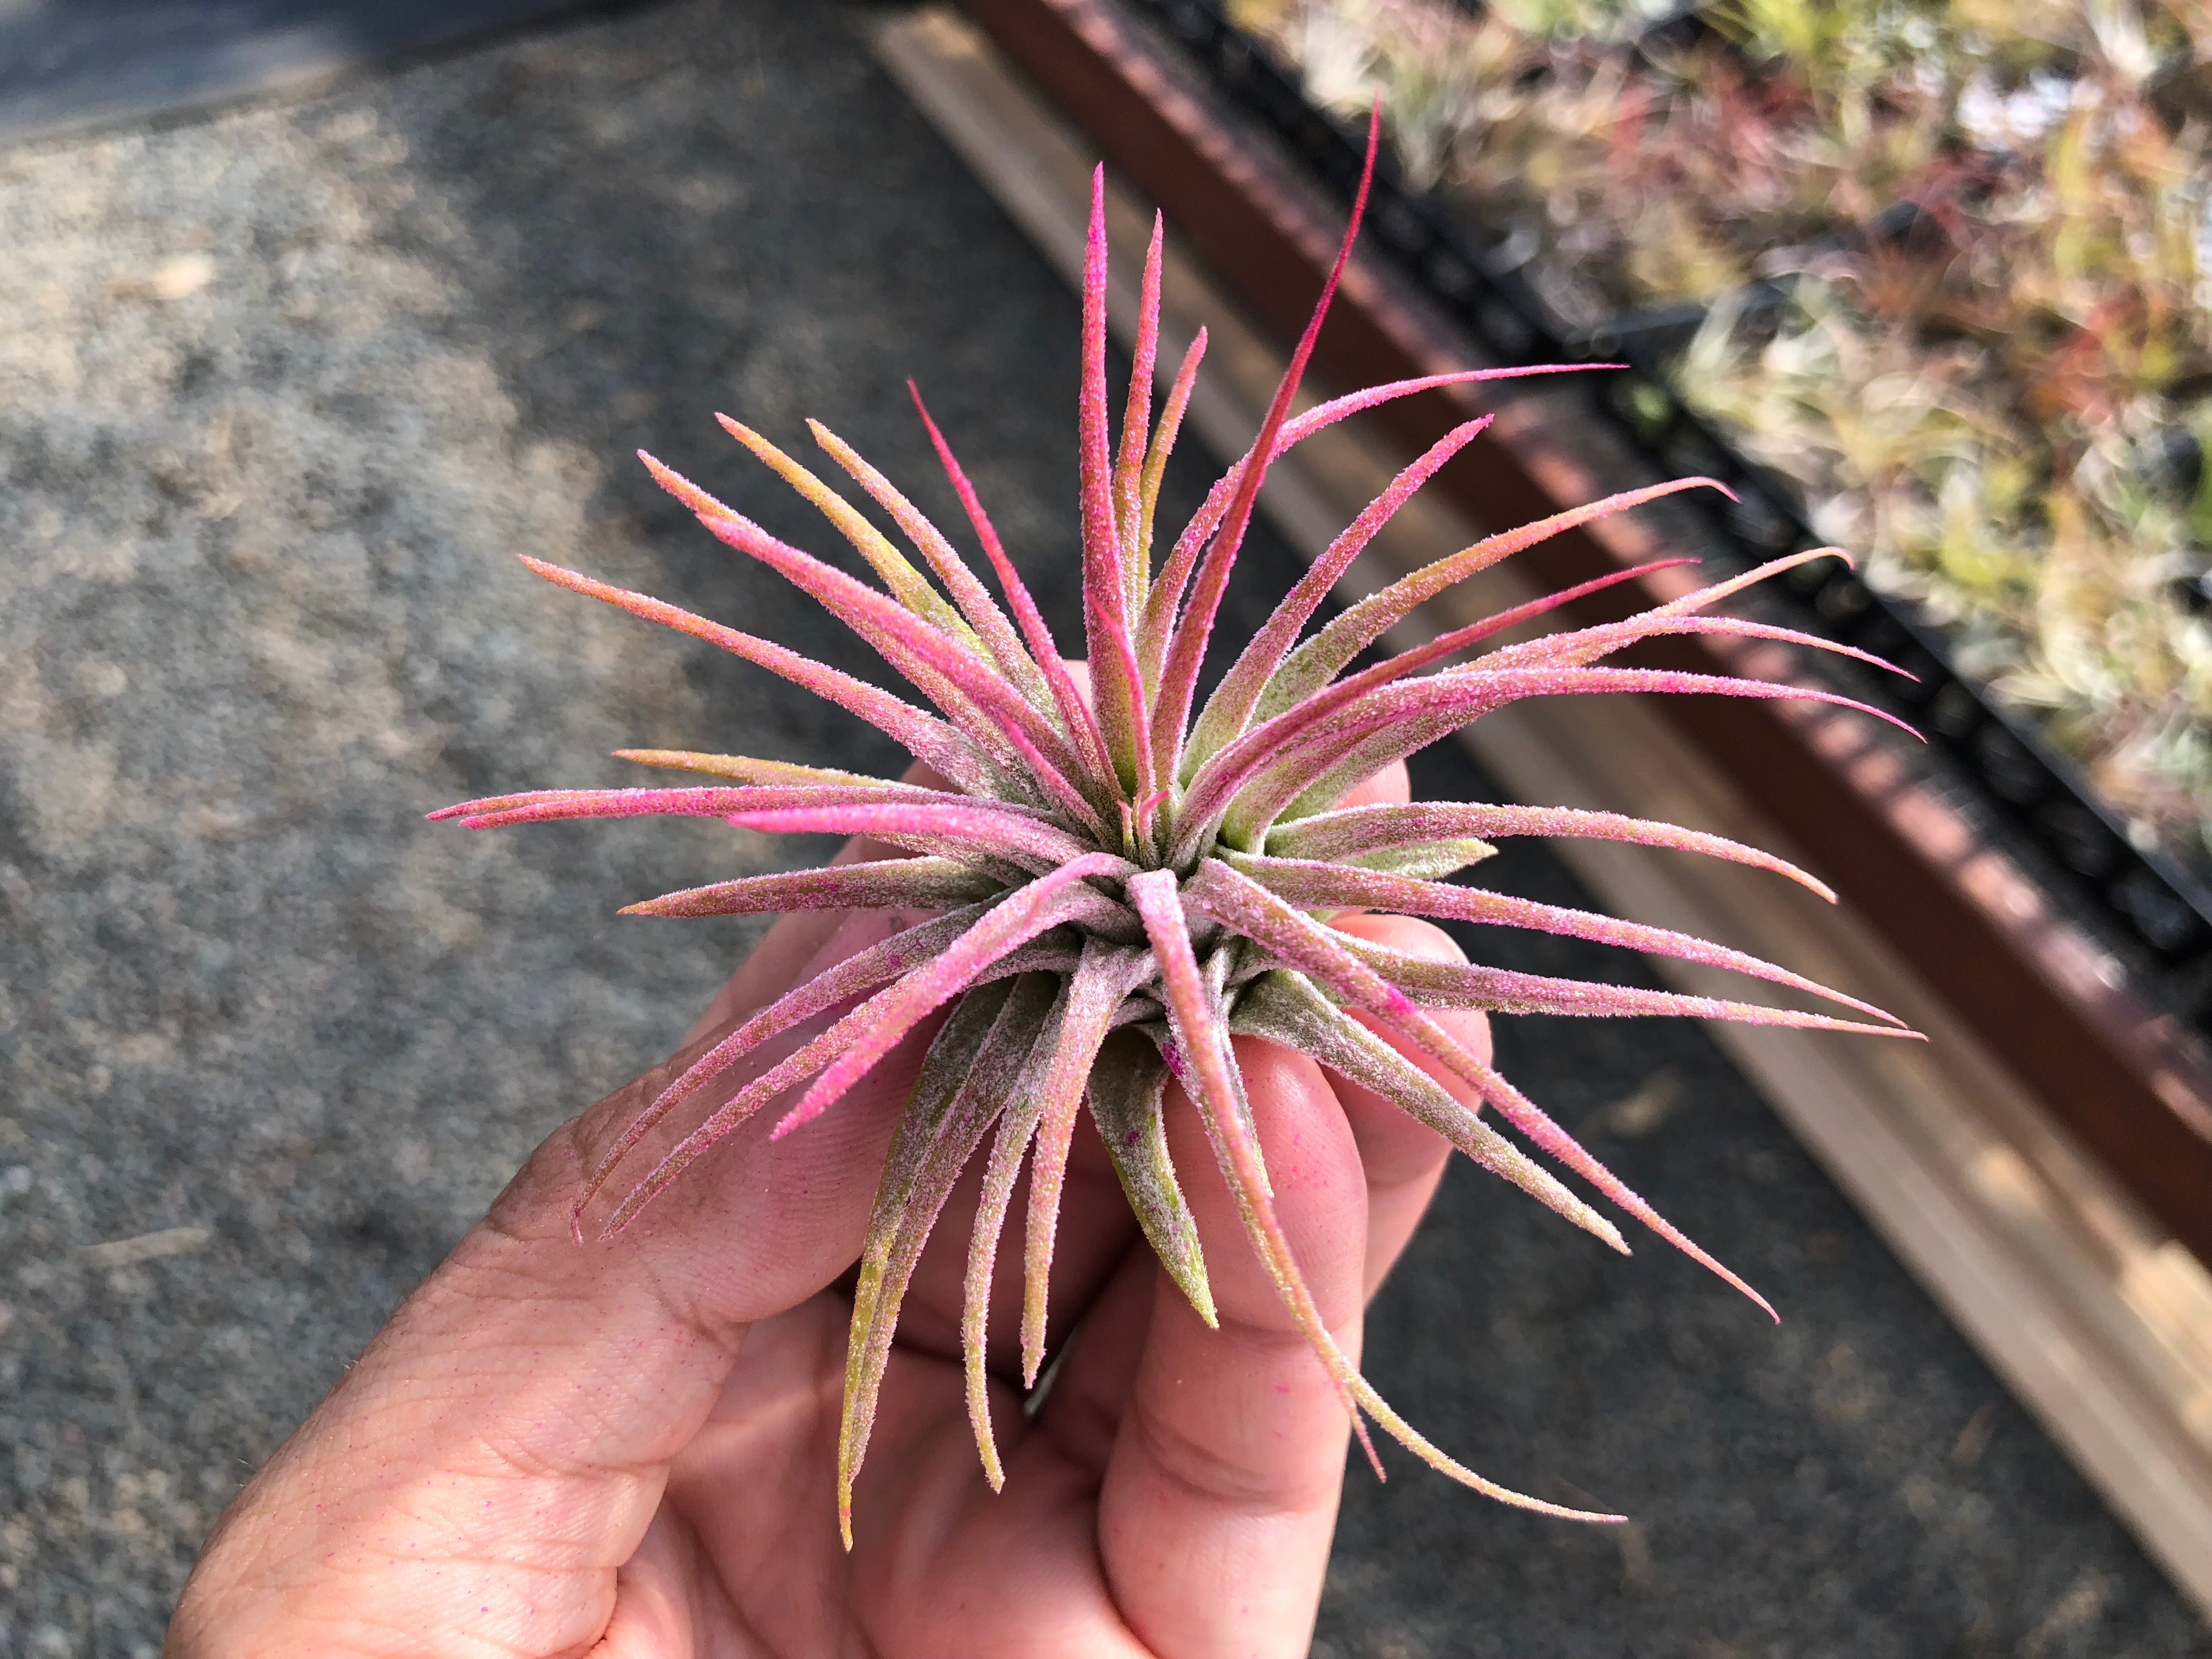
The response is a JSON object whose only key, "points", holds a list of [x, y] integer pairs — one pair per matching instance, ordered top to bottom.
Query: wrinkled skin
{"points": [[628, 1450]]}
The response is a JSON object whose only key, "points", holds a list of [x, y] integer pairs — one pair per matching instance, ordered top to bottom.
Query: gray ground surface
{"points": [[73, 65], [280, 394]]}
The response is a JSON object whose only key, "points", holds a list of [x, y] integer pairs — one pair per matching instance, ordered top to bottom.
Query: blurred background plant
{"points": [[1945, 264]]}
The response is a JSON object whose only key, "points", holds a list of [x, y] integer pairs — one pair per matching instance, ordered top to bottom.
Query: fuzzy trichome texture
{"points": [[1121, 881]]}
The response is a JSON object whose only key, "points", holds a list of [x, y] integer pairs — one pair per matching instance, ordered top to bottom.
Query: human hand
{"points": [[629, 1450]]}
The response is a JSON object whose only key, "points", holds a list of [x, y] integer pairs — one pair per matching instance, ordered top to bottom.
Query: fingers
{"points": [[1391, 787], [773, 968], [1404, 1159], [1095, 1230], [1222, 1452], [1212, 1459], [1220, 1490], [665, 1603]]}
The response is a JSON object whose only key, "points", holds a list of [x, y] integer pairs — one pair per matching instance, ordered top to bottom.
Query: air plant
{"points": [[1120, 882]]}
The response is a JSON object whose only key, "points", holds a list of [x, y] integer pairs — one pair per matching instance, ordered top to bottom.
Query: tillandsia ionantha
{"points": [[1121, 881]]}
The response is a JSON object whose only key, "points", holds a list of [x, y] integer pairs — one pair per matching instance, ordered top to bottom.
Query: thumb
{"points": [[501, 1448]]}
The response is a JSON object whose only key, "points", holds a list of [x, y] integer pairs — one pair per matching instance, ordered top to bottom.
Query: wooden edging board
{"points": [[2054, 1006], [2095, 1315]]}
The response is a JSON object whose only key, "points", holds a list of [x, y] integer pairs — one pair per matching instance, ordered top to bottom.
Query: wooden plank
{"points": [[2096, 1317]]}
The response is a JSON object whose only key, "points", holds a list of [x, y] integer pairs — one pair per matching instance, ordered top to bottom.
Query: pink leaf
{"points": [[1128, 474], [1148, 492], [909, 586], [1708, 596], [973, 599], [1160, 608], [896, 631], [900, 637], [1589, 644], [1187, 649], [1319, 661], [1116, 684], [1233, 701], [1075, 713], [1394, 721], [928, 738], [743, 768], [1228, 771], [549, 805], [1354, 830], [1023, 840], [922, 883], [1311, 886], [1044, 903], [1339, 964], [858, 974], [1106, 975], [1501, 990], [1282, 1006], [852, 1046], [1208, 1074], [1209, 1077], [966, 1080], [1016, 1128]]}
